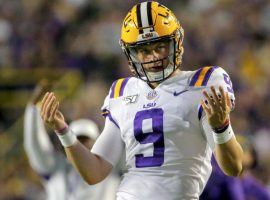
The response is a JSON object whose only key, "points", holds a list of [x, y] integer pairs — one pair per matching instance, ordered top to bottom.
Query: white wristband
{"points": [[221, 138], [68, 139]]}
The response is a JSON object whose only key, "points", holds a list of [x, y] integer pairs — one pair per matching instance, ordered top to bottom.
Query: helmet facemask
{"points": [[169, 63]]}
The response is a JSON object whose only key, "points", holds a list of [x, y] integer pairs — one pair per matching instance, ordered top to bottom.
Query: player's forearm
{"points": [[229, 156], [92, 168]]}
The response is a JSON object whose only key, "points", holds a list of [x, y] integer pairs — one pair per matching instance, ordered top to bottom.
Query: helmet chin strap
{"points": [[159, 76]]}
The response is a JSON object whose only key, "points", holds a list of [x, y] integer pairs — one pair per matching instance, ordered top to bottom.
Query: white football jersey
{"points": [[167, 149]]}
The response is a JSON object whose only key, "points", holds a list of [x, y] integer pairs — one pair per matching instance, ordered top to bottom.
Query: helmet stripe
{"points": [[149, 13], [144, 15], [139, 20]]}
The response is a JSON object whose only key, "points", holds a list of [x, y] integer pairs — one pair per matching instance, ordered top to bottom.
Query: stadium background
{"points": [[74, 43]]}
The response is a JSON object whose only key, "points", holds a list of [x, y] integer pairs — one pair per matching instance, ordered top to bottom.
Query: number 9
{"points": [[156, 137]]}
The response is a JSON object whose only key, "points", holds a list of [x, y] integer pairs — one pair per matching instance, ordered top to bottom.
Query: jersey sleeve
{"points": [[213, 76], [221, 78], [116, 91], [106, 110], [109, 144]]}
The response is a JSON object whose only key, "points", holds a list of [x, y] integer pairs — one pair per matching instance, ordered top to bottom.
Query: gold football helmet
{"points": [[146, 23]]}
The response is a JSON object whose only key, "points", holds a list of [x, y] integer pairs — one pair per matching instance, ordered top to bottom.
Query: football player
{"points": [[166, 120]]}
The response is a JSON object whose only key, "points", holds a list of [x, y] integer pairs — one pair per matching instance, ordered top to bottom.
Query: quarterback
{"points": [[167, 121]]}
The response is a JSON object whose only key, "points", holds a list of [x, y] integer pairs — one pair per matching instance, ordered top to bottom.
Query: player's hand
{"points": [[42, 87], [218, 107], [50, 112]]}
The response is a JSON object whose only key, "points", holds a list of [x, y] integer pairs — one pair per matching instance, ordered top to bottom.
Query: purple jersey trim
{"points": [[208, 74], [195, 77], [123, 85], [112, 89], [200, 112], [112, 120], [45, 176]]}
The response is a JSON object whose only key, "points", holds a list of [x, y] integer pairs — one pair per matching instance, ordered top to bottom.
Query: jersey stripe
{"points": [[207, 76], [195, 77], [201, 77], [123, 86], [117, 88], [112, 89]]}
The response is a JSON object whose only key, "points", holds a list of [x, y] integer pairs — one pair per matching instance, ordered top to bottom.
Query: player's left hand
{"points": [[41, 88], [218, 107]]}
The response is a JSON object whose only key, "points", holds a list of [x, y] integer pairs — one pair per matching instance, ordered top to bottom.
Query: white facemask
{"points": [[155, 76]]}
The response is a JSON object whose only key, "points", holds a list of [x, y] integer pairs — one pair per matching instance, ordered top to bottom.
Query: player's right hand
{"points": [[50, 112]]}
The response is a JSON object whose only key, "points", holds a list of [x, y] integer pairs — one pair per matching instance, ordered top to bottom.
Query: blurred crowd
{"points": [[74, 43]]}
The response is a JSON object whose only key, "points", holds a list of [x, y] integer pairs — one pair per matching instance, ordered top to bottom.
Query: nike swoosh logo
{"points": [[178, 93]]}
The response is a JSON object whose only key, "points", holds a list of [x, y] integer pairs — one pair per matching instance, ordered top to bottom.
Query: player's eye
{"points": [[161, 47], [143, 51]]}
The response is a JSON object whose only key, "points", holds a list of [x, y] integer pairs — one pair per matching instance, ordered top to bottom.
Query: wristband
{"points": [[223, 127], [62, 130], [225, 136], [68, 139]]}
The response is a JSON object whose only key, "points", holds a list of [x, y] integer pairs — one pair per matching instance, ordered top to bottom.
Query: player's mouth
{"points": [[156, 68]]}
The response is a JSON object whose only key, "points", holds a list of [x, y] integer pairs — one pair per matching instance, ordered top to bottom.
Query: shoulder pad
{"points": [[201, 76], [117, 88]]}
